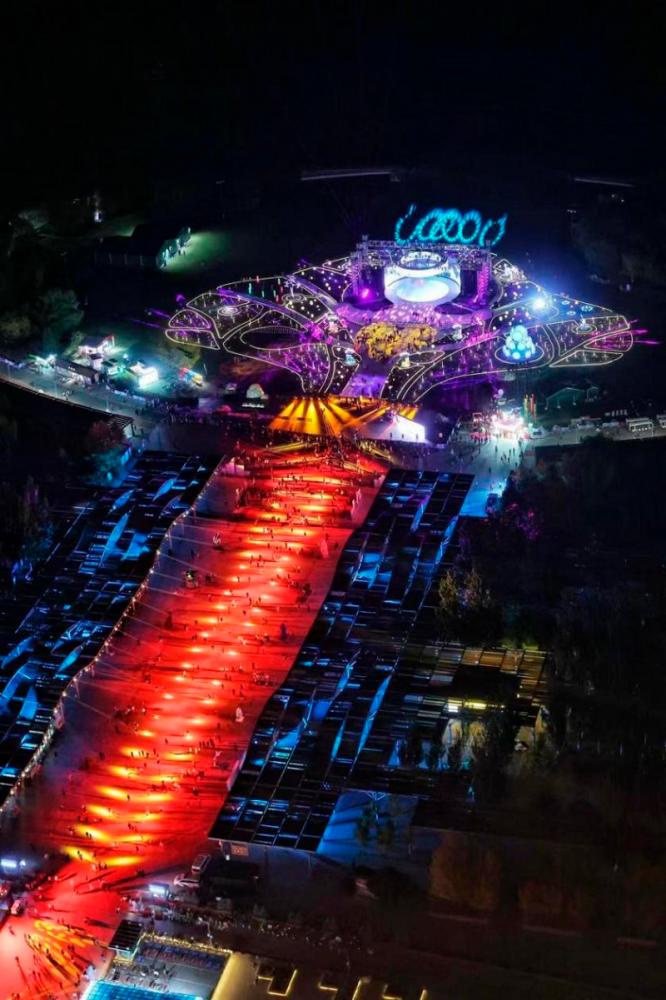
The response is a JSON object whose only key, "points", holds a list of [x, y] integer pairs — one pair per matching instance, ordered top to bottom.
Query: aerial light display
{"points": [[448, 225], [396, 321]]}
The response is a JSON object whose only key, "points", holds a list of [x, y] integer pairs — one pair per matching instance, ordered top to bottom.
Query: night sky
{"points": [[114, 93]]}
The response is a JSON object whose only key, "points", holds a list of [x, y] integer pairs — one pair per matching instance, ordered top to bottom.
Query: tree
{"points": [[57, 315], [15, 328], [103, 435], [105, 443], [25, 530], [449, 599], [467, 609], [411, 748], [492, 752], [434, 755], [454, 755], [366, 823], [386, 833], [466, 872], [540, 901], [645, 906]]}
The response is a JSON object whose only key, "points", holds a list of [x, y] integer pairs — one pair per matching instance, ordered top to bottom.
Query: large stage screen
{"points": [[423, 278]]}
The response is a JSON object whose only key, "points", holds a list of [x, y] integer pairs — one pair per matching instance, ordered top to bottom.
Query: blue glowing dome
{"points": [[518, 345]]}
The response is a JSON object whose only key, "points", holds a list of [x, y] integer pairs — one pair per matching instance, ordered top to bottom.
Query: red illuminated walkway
{"points": [[158, 726]]}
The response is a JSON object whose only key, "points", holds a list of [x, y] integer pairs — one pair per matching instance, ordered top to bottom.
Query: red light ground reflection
{"points": [[162, 721]]}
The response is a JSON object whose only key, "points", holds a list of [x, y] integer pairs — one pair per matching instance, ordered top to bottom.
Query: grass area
{"points": [[206, 251], [134, 305]]}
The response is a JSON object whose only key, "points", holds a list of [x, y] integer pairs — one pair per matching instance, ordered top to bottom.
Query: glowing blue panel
{"points": [[450, 226]]}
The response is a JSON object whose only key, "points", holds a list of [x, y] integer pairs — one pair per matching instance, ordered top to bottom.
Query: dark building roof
{"points": [[159, 230], [147, 240], [116, 244], [143, 246], [80, 594], [372, 670]]}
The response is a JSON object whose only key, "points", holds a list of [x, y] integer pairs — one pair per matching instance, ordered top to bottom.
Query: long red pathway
{"points": [[156, 729]]}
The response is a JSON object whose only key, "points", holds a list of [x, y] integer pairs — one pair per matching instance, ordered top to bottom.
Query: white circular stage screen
{"points": [[422, 277]]}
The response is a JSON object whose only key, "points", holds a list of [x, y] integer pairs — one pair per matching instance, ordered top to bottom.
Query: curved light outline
{"points": [[474, 217], [446, 225], [501, 226], [556, 334]]}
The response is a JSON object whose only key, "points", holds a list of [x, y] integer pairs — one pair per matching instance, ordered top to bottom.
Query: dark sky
{"points": [[99, 91]]}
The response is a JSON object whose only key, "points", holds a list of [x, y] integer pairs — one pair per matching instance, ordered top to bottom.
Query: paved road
{"points": [[95, 397]]}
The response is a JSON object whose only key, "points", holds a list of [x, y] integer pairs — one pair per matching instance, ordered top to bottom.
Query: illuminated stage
{"points": [[421, 277], [435, 309], [348, 417]]}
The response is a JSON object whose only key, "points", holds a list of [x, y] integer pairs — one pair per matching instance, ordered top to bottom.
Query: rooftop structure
{"points": [[85, 586], [372, 672], [158, 964]]}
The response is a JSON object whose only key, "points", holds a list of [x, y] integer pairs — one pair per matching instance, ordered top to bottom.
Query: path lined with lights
{"points": [[159, 725]]}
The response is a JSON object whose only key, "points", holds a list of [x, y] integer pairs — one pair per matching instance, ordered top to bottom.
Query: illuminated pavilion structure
{"points": [[398, 319]]}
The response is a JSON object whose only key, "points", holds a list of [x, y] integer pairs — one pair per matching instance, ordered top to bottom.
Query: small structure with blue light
{"points": [[518, 345]]}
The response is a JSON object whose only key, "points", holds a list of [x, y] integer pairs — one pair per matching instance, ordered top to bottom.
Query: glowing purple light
{"points": [[365, 293]]}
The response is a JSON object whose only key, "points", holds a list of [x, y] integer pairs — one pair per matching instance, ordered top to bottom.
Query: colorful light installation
{"points": [[451, 226], [307, 323], [518, 345]]}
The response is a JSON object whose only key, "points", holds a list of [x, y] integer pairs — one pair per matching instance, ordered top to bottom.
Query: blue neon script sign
{"points": [[448, 225]]}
